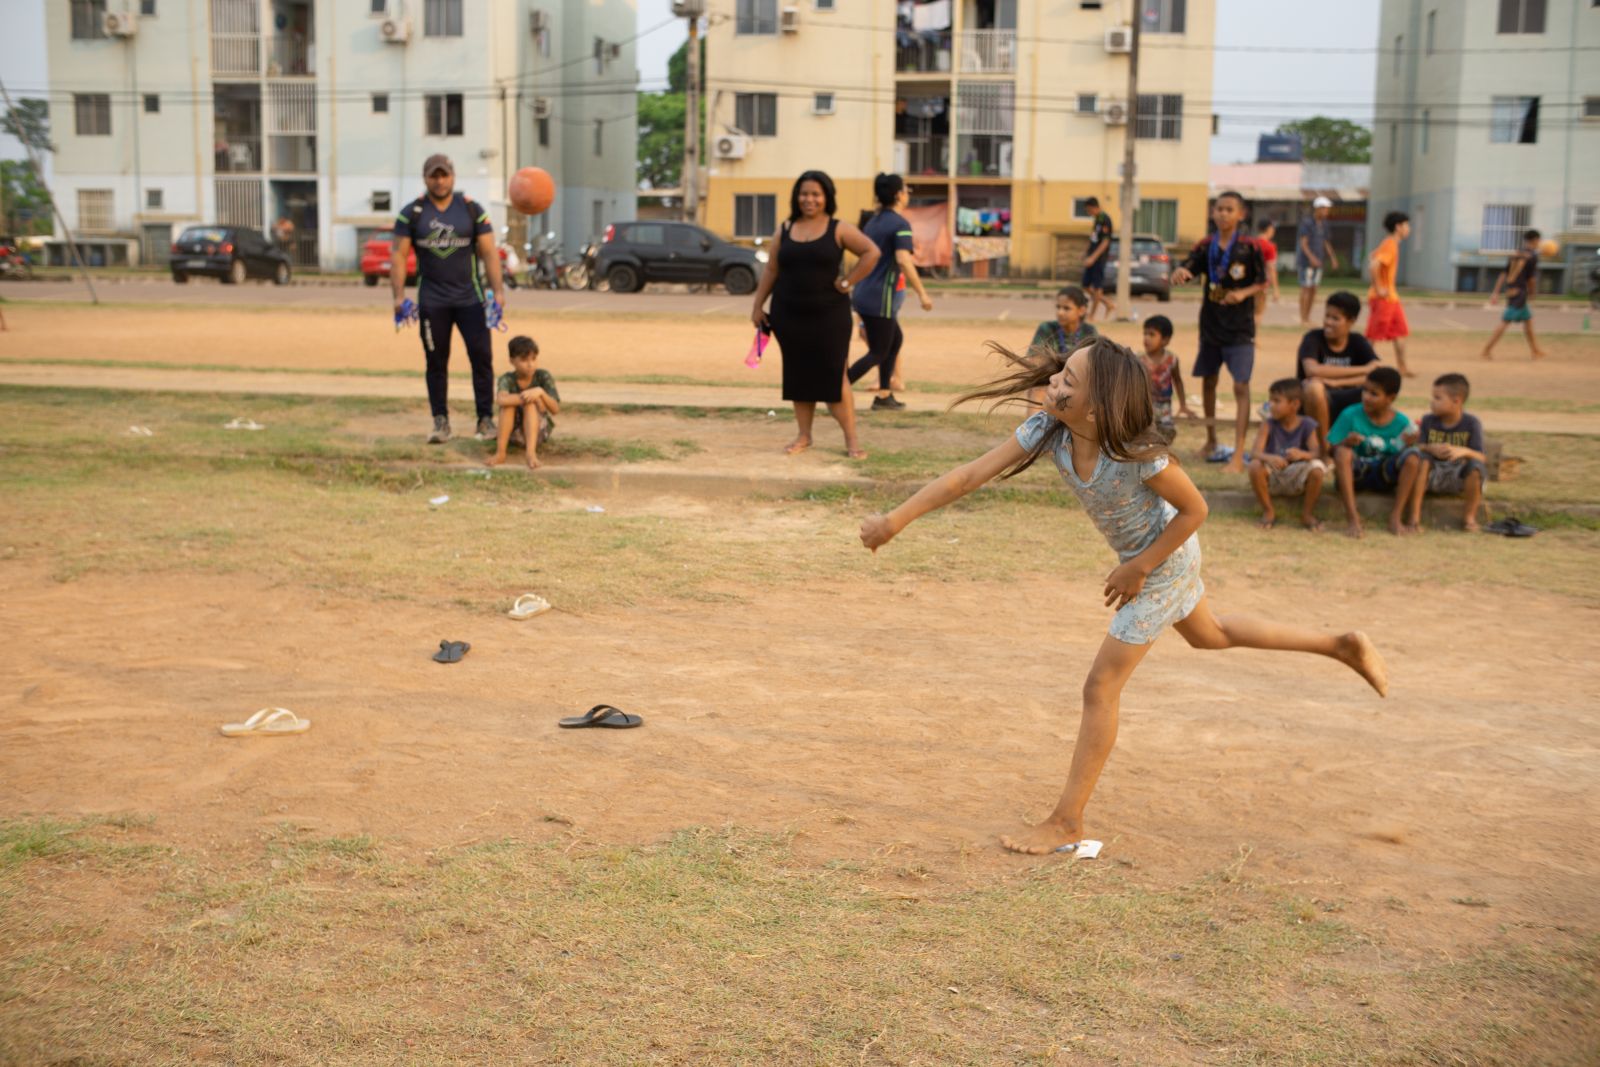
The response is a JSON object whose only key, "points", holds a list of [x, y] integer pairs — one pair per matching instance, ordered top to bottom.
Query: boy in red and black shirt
{"points": [[1229, 265]]}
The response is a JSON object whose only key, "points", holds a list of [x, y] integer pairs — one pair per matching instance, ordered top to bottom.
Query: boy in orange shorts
{"points": [[1386, 318]]}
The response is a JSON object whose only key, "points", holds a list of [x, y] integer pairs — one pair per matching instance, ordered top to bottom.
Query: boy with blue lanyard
{"points": [[1229, 264]]}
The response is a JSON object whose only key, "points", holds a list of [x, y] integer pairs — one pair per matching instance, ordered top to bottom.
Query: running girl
{"points": [[1096, 427]]}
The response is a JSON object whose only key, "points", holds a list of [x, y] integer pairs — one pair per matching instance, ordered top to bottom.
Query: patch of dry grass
{"points": [[720, 946]]}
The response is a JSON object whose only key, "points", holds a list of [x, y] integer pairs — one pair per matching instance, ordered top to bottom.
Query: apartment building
{"points": [[246, 112], [1003, 115], [1488, 124]]}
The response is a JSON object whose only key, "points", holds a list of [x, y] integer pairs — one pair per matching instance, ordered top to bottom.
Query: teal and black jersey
{"points": [[448, 274], [880, 293]]}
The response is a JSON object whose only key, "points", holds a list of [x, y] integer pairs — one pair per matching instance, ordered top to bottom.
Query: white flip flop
{"points": [[243, 424], [528, 605], [268, 721]]}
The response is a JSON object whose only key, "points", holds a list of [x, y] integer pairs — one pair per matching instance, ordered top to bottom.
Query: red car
{"points": [[375, 261]]}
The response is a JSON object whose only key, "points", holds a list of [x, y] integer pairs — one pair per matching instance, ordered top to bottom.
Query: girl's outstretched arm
{"points": [[1173, 486], [878, 530]]}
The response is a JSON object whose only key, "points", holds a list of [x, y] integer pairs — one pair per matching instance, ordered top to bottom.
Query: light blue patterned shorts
{"points": [[1169, 595]]}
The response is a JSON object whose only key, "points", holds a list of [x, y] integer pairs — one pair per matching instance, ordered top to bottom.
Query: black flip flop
{"points": [[1511, 527], [451, 651], [603, 715]]}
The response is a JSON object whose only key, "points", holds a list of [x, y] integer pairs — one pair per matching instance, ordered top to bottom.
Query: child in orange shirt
{"points": [[1386, 318]]}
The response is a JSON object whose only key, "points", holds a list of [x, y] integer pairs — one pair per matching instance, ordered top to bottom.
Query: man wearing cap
{"points": [[447, 228], [1310, 249]]}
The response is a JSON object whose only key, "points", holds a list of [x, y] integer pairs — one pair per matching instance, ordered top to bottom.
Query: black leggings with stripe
{"points": [[434, 325], [883, 349]]}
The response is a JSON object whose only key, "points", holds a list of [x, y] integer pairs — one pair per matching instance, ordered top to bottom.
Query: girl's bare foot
{"points": [[1539, 353], [797, 446], [856, 453], [495, 460], [533, 462], [1396, 527], [1354, 530], [1357, 652], [1043, 839]]}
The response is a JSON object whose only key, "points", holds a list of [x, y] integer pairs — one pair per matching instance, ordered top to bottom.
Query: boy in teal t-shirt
{"points": [[1367, 442]]}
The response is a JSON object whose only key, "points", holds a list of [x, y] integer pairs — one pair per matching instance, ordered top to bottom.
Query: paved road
{"points": [[1465, 315]]}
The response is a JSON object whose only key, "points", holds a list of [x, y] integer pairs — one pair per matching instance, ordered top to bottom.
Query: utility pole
{"points": [[691, 10], [38, 170], [1129, 186]]}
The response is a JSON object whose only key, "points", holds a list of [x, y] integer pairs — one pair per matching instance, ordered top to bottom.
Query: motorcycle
{"points": [[14, 262], [510, 262], [546, 269], [580, 275]]}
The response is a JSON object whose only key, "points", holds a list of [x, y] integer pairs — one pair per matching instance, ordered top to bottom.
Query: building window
{"points": [[824, 5], [1090, 5], [378, 7], [147, 9], [756, 16], [1163, 16], [1521, 16], [1433, 17], [441, 18], [87, 20], [1399, 50], [599, 55], [380, 103], [822, 103], [1088, 103], [152, 104], [1591, 104], [756, 113], [92, 114], [443, 114], [1160, 117], [1427, 120], [1514, 120], [599, 130], [544, 132], [1394, 140], [152, 199], [381, 200], [1081, 208], [95, 209], [755, 215], [1159, 217], [1583, 217], [597, 218], [1503, 225]]}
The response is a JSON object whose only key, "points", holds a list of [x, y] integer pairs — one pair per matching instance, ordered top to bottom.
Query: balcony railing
{"points": [[988, 51], [922, 53], [235, 54], [290, 57], [238, 154], [927, 155], [984, 155], [301, 249]]}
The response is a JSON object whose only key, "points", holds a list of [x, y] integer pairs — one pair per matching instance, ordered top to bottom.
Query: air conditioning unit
{"points": [[688, 9], [789, 20], [538, 22], [119, 23], [395, 30], [1119, 39], [541, 107], [1115, 112], [731, 146]]}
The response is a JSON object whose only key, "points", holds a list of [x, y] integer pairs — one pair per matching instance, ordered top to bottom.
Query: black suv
{"points": [[232, 253], [634, 254]]}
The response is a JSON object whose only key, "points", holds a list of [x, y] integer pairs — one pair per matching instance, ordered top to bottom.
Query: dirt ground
{"points": [[709, 348], [887, 721]]}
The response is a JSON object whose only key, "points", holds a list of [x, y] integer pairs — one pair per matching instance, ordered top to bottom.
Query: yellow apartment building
{"points": [[1003, 115]]}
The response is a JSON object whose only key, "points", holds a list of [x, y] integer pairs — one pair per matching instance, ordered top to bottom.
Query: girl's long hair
{"points": [[1119, 396]]}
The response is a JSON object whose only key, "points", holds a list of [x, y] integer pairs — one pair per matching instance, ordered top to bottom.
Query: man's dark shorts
{"points": [[1094, 275], [1239, 359]]}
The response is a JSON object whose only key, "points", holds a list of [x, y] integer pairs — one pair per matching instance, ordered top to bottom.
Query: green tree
{"points": [[661, 120], [29, 122], [1325, 140], [26, 204]]}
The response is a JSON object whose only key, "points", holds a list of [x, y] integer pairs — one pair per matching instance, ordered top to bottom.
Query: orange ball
{"points": [[532, 191], [1548, 248]]}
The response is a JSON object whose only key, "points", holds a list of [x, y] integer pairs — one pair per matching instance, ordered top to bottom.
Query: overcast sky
{"points": [[1254, 90]]}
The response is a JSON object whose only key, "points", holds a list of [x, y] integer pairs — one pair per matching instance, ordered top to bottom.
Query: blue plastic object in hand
{"points": [[407, 313], [494, 315]]}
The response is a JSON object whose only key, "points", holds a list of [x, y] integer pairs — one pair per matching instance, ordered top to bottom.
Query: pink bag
{"points": [[752, 358]]}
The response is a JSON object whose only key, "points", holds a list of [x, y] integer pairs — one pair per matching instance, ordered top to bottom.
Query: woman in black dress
{"points": [[811, 307]]}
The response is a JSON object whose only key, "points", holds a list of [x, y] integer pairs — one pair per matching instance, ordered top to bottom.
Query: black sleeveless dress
{"points": [[811, 318]]}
